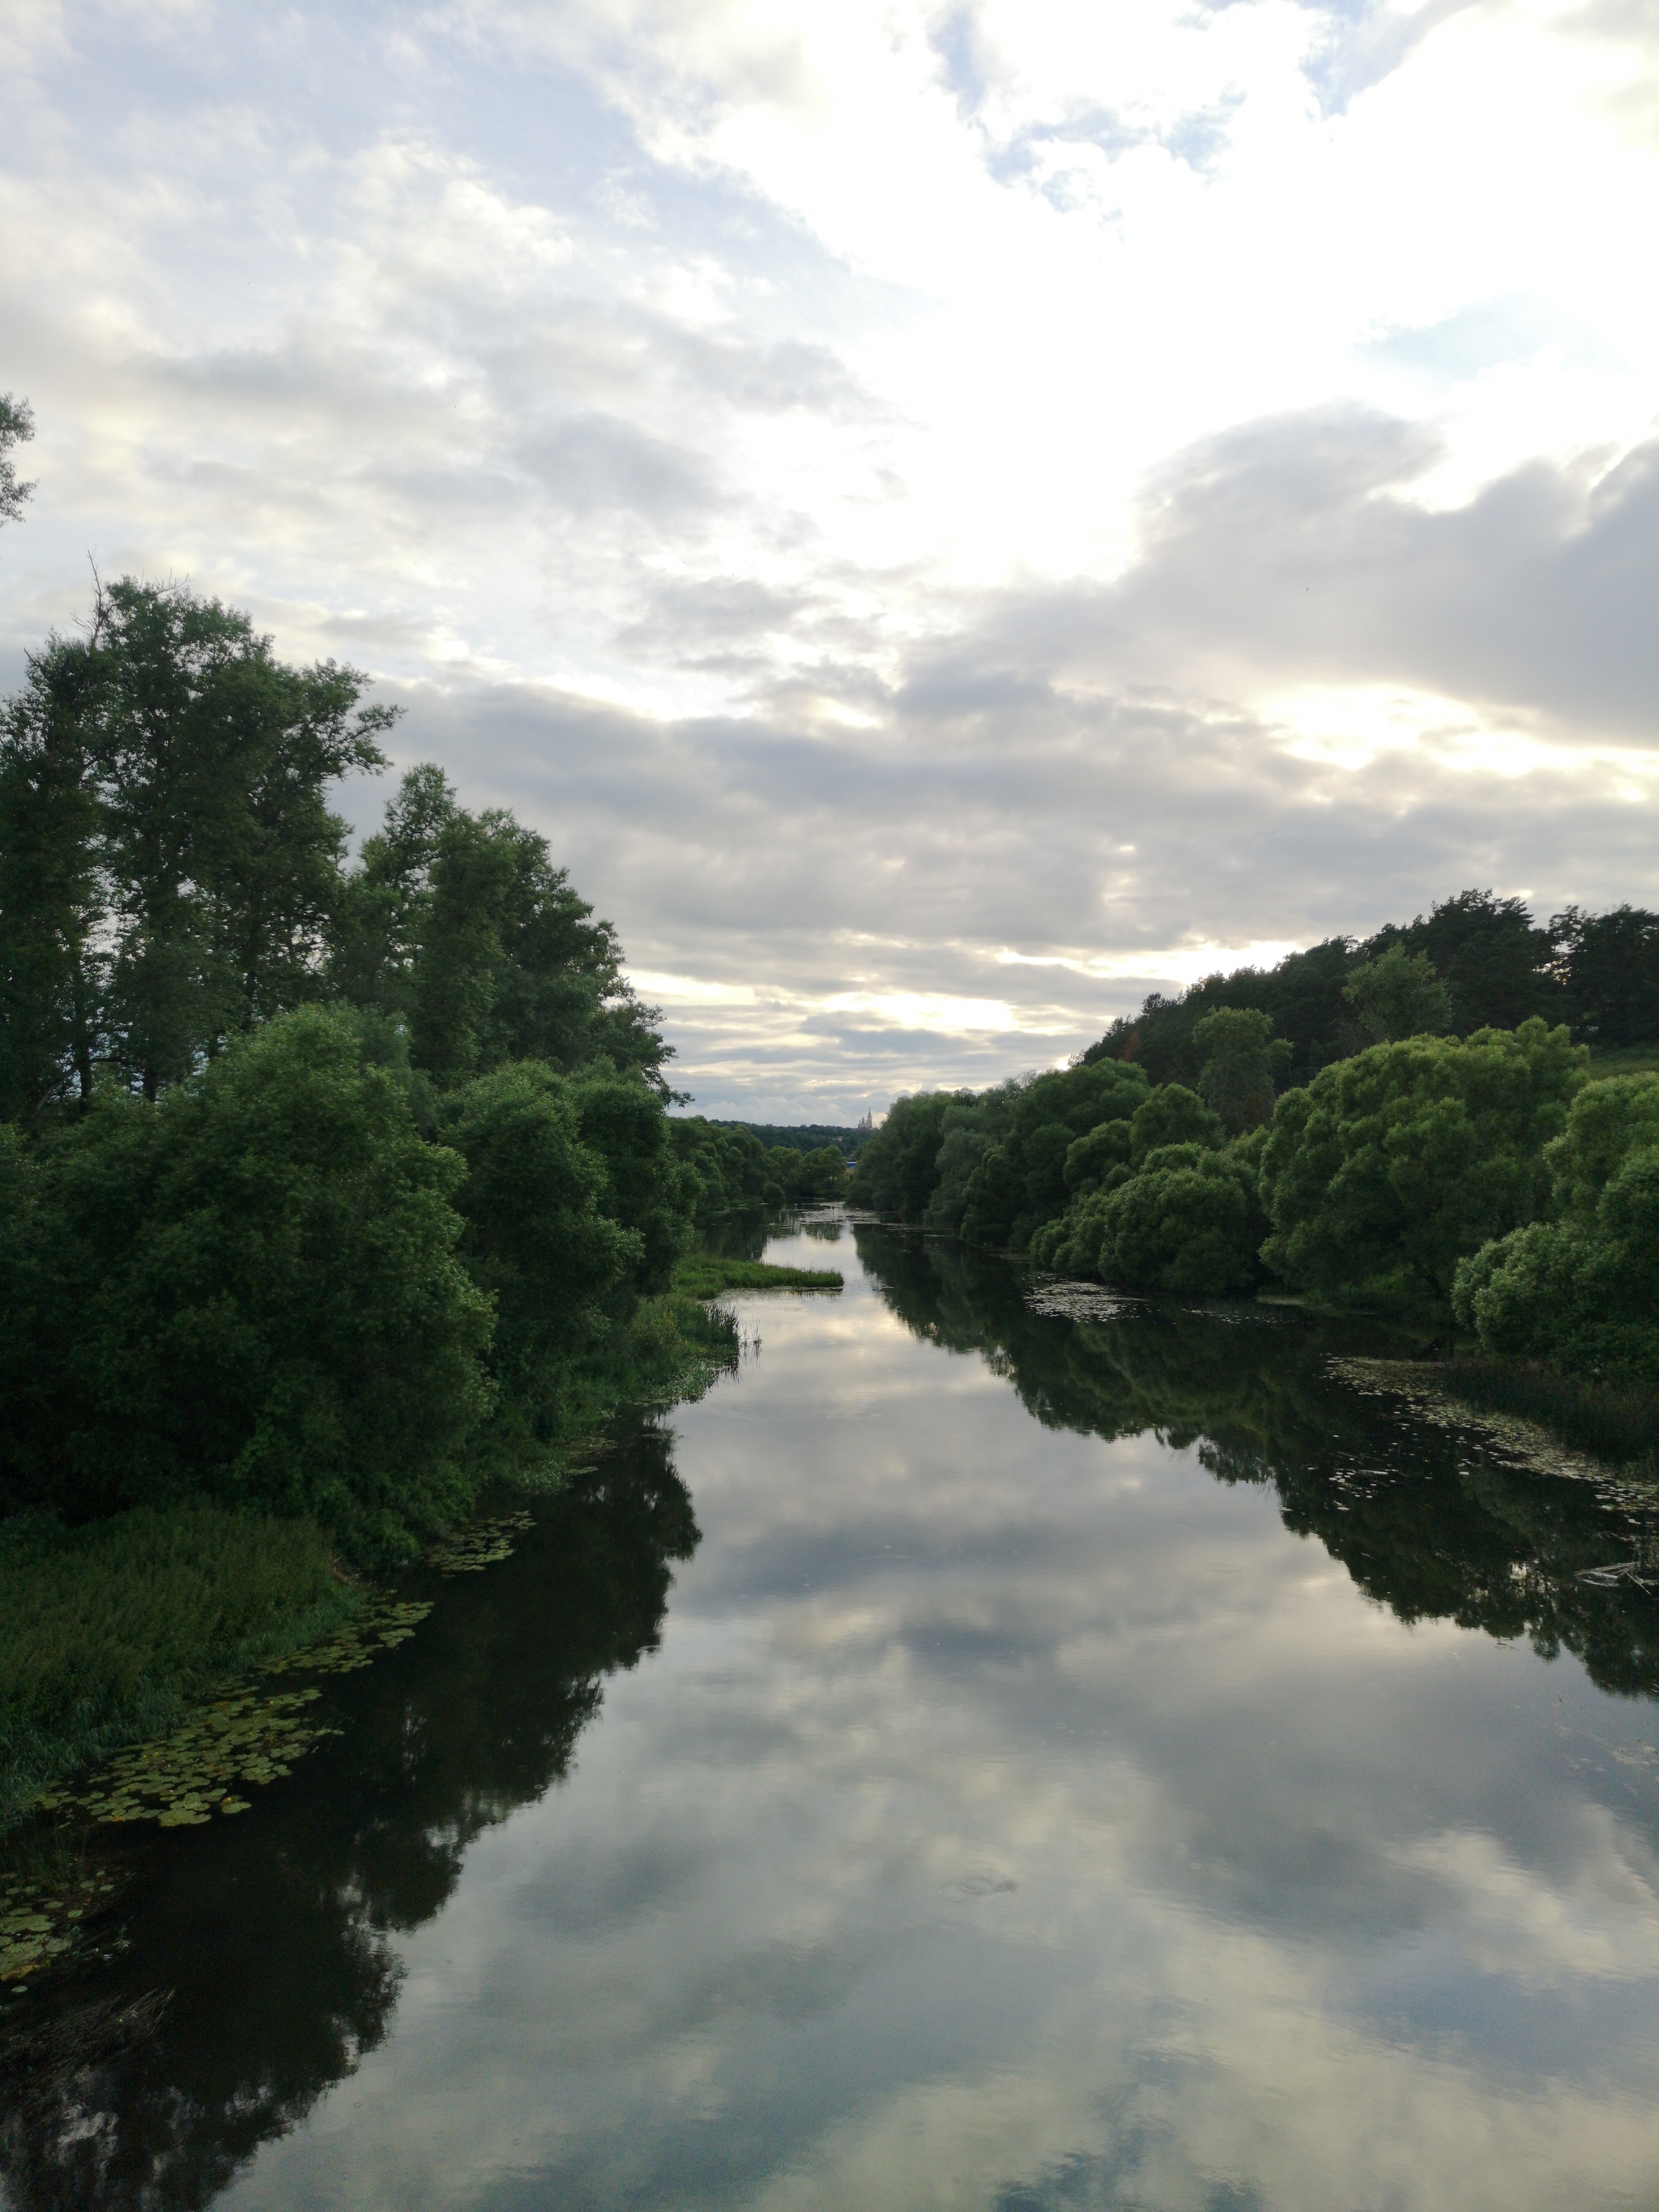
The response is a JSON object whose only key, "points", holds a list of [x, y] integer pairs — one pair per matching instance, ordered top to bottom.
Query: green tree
{"points": [[16, 429], [166, 783], [460, 926], [53, 942], [1609, 970], [1398, 995], [1237, 1081], [1393, 1166], [898, 1168], [1021, 1182], [649, 1191], [539, 1242], [251, 1290], [1582, 1290]]}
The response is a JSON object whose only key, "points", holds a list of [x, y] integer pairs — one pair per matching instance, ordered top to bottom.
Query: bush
{"points": [[1392, 1167], [1020, 1182], [1188, 1220], [1580, 1291]]}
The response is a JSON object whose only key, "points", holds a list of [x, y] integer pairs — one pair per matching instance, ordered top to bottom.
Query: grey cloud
{"points": [[597, 462], [1292, 550]]}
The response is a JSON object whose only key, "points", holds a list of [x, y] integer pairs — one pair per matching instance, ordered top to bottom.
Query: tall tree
{"points": [[16, 429], [166, 782], [459, 926], [1609, 967]]}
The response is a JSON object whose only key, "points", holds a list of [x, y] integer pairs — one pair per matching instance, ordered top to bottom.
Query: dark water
{"points": [[967, 1760]]}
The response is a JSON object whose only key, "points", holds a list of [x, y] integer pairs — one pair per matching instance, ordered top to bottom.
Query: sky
{"points": [[948, 517]]}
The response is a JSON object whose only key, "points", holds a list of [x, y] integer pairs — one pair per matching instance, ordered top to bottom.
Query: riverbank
{"points": [[110, 1632]]}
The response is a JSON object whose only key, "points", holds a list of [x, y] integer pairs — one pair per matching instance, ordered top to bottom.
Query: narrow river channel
{"points": [[971, 1759]]}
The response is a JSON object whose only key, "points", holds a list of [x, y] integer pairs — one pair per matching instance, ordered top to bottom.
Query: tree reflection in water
{"points": [[1428, 1521], [260, 1958], [258, 1961]]}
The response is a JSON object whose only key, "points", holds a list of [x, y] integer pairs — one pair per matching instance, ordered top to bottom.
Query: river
{"points": [[969, 1759]]}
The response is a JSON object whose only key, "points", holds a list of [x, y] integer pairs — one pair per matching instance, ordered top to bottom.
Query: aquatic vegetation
{"points": [[479, 1546]]}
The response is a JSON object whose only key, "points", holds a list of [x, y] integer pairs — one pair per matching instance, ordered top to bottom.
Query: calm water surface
{"points": [[969, 1759]]}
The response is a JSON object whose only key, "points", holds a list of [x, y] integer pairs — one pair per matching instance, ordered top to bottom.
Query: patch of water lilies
{"points": [[1061, 1298], [479, 1546], [381, 1626], [246, 1738], [39, 1920]]}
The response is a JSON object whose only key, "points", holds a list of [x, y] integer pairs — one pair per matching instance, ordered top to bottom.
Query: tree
{"points": [[16, 429], [165, 799], [460, 926], [1496, 962], [1609, 965], [1398, 995], [1237, 1080], [1393, 1166], [1021, 1182], [540, 1243], [250, 1289], [1582, 1290]]}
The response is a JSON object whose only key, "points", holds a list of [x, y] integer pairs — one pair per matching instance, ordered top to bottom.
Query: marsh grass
{"points": [[706, 1275], [108, 1631]]}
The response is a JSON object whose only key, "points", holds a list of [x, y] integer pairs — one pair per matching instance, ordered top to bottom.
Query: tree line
{"points": [[1443, 1170], [330, 1184]]}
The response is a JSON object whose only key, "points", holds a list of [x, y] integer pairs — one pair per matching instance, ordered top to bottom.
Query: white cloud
{"points": [[938, 449]]}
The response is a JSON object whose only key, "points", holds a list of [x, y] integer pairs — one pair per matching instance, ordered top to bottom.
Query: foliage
{"points": [[16, 429], [167, 839], [460, 927], [1609, 965], [1599, 974], [1398, 995], [1237, 1081], [803, 1136], [731, 1166], [898, 1166], [1392, 1167], [811, 1175], [1020, 1182], [649, 1191], [1186, 1218], [539, 1242], [707, 1274], [250, 1289], [1580, 1291], [106, 1630]]}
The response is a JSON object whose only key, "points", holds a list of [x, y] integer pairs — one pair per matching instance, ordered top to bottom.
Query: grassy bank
{"points": [[704, 1275], [108, 1632]]}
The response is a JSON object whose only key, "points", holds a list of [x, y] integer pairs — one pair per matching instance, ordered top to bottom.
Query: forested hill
{"points": [[1597, 973], [802, 1137]]}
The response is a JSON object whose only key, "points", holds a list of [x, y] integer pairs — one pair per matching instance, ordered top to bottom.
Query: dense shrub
{"points": [[1392, 1167], [1020, 1182], [250, 1289], [1582, 1290]]}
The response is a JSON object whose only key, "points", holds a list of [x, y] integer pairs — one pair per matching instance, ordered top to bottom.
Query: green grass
{"points": [[1623, 1060], [702, 1275], [108, 1631]]}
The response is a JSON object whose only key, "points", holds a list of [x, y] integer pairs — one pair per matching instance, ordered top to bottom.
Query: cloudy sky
{"points": [[950, 517]]}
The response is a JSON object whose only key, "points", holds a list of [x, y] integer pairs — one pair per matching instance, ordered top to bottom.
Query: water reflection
{"points": [[1424, 1519], [1081, 1766], [259, 1966]]}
